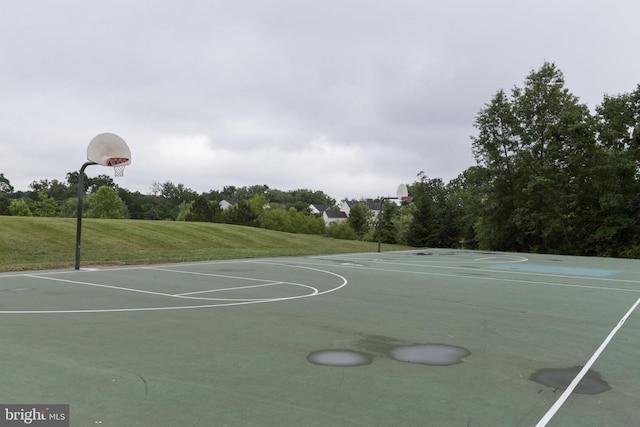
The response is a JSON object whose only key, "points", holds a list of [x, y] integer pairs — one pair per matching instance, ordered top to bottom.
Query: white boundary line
{"points": [[228, 302], [565, 395]]}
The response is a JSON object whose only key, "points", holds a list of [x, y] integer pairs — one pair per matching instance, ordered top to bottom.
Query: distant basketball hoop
{"points": [[106, 149], [402, 194]]}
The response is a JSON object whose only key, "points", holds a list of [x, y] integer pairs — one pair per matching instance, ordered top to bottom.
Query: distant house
{"points": [[226, 204], [374, 206], [318, 209], [330, 216]]}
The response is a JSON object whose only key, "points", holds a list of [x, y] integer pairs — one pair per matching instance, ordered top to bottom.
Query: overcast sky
{"points": [[347, 97]]}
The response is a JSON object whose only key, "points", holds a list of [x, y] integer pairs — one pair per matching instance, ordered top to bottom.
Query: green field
{"points": [[29, 243]]}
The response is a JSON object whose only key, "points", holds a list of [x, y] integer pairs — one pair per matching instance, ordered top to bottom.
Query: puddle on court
{"points": [[16, 289], [373, 346], [430, 354], [339, 358], [591, 383]]}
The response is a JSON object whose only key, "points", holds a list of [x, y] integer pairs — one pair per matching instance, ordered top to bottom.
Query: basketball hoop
{"points": [[108, 149], [118, 164], [406, 199]]}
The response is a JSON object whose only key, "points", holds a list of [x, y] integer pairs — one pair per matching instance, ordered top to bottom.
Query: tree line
{"points": [[551, 176]]}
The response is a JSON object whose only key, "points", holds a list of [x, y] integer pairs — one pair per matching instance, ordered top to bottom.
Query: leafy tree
{"points": [[526, 144], [73, 178], [101, 181], [611, 184], [5, 185], [5, 189], [54, 189], [470, 192], [177, 193], [244, 193], [279, 196], [165, 200], [135, 202], [4, 203], [105, 203], [257, 204], [46, 206], [19, 208], [68, 208], [183, 210], [200, 211], [152, 214], [241, 214], [437, 214], [360, 218], [275, 219], [304, 222], [388, 222], [403, 223], [341, 230]]}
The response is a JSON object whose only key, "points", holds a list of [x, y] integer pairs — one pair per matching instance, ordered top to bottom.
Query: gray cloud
{"points": [[347, 97]]}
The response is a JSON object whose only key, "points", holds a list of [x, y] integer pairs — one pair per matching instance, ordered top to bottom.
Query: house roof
{"points": [[373, 205], [321, 208], [335, 215]]}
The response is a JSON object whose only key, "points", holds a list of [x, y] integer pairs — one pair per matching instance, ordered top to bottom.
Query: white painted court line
{"points": [[491, 257], [195, 273], [501, 279], [97, 285], [228, 289], [314, 291], [187, 295], [221, 302], [565, 395]]}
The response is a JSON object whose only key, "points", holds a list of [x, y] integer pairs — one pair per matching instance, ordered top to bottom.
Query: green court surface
{"points": [[415, 338]]}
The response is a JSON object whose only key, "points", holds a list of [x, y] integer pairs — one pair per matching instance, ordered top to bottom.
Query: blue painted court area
{"points": [[554, 269], [426, 337]]}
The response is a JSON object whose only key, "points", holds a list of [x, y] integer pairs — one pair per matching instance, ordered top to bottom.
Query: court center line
{"points": [[565, 395]]}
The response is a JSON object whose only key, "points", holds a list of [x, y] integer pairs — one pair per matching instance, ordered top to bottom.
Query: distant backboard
{"points": [[108, 149], [402, 191]]}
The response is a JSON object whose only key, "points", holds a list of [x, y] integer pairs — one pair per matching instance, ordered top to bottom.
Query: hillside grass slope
{"points": [[36, 243]]}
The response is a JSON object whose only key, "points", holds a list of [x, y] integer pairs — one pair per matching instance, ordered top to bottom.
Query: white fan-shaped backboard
{"points": [[108, 149]]}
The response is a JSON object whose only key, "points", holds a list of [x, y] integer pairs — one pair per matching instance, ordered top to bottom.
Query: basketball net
{"points": [[118, 165]]}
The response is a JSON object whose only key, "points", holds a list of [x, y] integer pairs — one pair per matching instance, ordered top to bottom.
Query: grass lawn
{"points": [[34, 243]]}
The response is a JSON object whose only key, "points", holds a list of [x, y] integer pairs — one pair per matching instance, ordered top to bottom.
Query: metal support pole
{"points": [[80, 197], [382, 199]]}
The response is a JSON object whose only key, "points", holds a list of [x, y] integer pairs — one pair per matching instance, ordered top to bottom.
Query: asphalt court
{"points": [[533, 340]]}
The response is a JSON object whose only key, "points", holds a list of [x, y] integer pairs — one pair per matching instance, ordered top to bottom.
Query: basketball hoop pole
{"points": [[80, 197], [382, 199]]}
